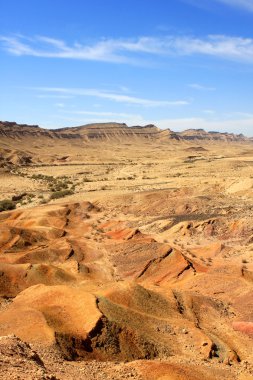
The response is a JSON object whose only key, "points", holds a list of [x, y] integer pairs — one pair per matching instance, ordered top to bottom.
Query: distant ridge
{"points": [[115, 132]]}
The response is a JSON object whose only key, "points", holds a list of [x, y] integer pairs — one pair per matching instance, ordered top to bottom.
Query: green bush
{"points": [[61, 194], [7, 204]]}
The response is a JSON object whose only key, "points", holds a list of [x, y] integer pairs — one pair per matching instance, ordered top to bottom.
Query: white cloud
{"points": [[245, 4], [45, 47], [233, 48], [131, 50], [200, 87], [121, 98]]}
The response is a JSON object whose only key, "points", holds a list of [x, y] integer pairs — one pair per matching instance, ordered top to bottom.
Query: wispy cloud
{"points": [[244, 4], [208, 5], [106, 50], [132, 50], [200, 87], [121, 98]]}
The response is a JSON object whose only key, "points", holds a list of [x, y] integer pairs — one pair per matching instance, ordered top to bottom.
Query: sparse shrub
{"points": [[43, 177], [87, 180], [54, 184], [63, 185], [61, 194], [18, 197], [7, 204], [244, 261]]}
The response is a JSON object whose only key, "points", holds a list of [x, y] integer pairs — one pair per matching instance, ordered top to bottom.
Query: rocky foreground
{"points": [[151, 285]]}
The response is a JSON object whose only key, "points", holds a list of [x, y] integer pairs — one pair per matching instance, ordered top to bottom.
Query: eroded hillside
{"points": [[149, 277]]}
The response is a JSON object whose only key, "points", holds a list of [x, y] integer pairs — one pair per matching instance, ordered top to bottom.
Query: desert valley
{"points": [[125, 252]]}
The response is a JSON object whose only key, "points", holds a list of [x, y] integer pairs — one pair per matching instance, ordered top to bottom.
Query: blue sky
{"points": [[176, 63]]}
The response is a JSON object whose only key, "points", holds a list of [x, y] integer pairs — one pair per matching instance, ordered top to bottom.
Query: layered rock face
{"points": [[112, 131], [26, 145]]}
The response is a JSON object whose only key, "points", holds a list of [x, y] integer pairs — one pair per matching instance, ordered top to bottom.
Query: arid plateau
{"points": [[125, 252]]}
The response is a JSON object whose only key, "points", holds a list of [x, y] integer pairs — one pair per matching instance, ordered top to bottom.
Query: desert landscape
{"points": [[125, 252]]}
